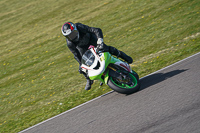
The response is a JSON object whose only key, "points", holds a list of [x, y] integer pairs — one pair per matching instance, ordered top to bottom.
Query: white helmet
{"points": [[69, 30]]}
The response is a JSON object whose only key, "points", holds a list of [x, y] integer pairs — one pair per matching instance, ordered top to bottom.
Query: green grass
{"points": [[38, 72]]}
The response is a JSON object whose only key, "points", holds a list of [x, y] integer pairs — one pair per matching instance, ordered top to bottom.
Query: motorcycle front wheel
{"points": [[126, 85]]}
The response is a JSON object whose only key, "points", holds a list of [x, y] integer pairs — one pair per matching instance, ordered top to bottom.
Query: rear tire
{"points": [[135, 74]]}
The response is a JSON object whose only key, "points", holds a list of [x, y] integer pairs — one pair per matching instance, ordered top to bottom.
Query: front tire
{"points": [[123, 86]]}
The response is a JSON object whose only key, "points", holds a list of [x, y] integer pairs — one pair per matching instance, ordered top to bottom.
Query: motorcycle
{"points": [[110, 70]]}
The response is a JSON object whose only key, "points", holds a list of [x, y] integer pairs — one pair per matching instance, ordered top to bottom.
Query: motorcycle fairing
{"points": [[98, 67]]}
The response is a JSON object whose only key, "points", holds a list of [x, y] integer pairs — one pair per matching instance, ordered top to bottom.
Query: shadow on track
{"points": [[157, 78]]}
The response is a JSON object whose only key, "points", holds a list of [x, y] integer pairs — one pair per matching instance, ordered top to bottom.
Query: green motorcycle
{"points": [[111, 71]]}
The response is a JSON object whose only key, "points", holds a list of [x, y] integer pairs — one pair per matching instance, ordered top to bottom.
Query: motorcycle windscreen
{"points": [[88, 58]]}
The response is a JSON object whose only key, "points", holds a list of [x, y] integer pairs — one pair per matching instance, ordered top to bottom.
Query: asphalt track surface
{"points": [[168, 102]]}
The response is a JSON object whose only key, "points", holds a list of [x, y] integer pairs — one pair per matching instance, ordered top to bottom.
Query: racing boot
{"points": [[127, 58], [88, 84]]}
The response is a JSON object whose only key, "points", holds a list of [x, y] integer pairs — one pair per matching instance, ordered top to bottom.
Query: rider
{"points": [[79, 37]]}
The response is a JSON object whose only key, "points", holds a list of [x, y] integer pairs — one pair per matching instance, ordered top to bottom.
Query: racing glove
{"points": [[100, 41], [100, 45]]}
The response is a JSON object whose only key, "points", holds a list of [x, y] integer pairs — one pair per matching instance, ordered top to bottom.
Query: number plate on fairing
{"points": [[102, 58]]}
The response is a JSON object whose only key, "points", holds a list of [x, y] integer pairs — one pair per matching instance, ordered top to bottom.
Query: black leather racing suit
{"points": [[87, 36]]}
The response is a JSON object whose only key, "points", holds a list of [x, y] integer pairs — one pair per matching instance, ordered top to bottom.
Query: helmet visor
{"points": [[73, 35]]}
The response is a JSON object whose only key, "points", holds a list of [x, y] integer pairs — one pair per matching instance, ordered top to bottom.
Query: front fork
{"points": [[111, 71]]}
